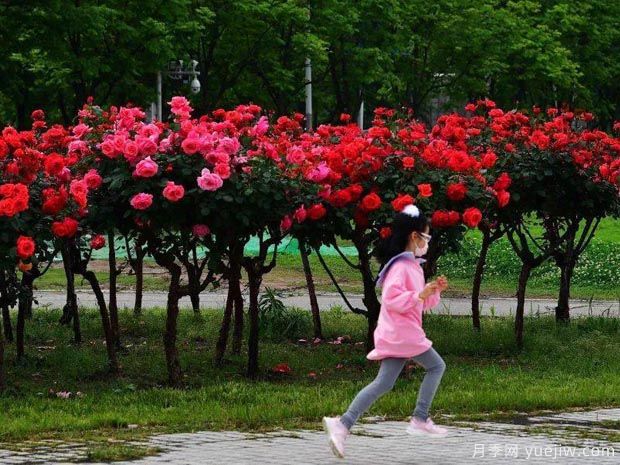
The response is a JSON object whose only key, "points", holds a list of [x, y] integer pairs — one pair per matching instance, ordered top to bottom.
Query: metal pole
{"points": [[308, 66], [159, 97], [360, 116]]}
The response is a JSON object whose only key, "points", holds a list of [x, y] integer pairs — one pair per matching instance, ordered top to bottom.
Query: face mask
{"points": [[421, 251]]}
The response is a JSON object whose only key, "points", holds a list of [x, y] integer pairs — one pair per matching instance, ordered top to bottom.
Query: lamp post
{"points": [[308, 66], [177, 71]]}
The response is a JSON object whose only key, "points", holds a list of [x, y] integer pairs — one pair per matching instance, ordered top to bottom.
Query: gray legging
{"points": [[388, 373]]}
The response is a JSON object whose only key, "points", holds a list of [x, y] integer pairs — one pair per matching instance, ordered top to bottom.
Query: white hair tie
{"points": [[411, 210]]}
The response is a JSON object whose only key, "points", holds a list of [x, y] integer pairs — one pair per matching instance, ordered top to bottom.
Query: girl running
{"points": [[399, 336]]}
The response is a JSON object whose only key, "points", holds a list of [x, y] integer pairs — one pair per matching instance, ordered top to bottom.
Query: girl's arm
{"points": [[395, 296], [432, 300]]}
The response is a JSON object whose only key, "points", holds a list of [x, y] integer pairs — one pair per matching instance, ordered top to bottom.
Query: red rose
{"points": [[37, 115], [539, 139], [4, 149], [489, 159], [408, 162], [54, 164], [502, 182], [355, 190], [425, 190], [456, 192], [503, 197], [340, 198], [53, 201], [401, 201], [370, 202], [316, 211], [471, 217], [444, 219], [65, 228], [385, 232], [97, 241], [25, 247], [281, 368]]}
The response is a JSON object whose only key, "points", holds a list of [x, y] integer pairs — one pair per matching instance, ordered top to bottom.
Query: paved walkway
{"points": [[453, 306], [590, 437]]}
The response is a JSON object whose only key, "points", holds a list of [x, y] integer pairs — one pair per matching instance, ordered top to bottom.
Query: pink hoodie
{"points": [[399, 330]]}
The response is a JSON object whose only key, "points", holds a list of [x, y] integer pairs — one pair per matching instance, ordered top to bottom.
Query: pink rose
{"points": [[180, 108], [261, 126], [80, 130], [119, 143], [229, 145], [78, 146], [146, 146], [190, 146], [107, 148], [130, 151], [295, 155], [146, 168], [222, 170], [319, 173], [64, 175], [93, 179], [209, 181], [78, 188], [325, 191], [173, 192], [141, 201], [300, 214], [286, 223], [200, 230]]}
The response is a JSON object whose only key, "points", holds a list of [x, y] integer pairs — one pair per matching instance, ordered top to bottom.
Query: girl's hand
{"points": [[442, 283], [428, 290]]}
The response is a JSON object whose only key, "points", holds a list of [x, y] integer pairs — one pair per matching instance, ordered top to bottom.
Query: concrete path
{"points": [[452, 306], [578, 438]]}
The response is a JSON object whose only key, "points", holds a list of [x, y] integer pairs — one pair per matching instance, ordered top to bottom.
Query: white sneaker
{"points": [[428, 428], [337, 433]]}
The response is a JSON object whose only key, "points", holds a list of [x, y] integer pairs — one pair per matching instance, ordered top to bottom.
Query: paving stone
{"points": [[373, 443]]}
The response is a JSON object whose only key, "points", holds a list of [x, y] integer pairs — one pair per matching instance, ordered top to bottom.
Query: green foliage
{"points": [[389, 52], [279, 323], [486, 373]]}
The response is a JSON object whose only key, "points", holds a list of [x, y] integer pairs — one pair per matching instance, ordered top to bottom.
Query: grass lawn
{"points": [[597, 274], [560, 367]]}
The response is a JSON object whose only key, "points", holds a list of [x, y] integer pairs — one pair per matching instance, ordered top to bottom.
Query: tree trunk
{"points": [[138, 268], [193, 274], [524, 276], [254, 278], [194, 286], [475, 294], [371, 301], [25, 302], [314, 304], [71, 305], [113, 306], [562, 311], [6, 313], [105, 320], [6, 322], [21, 323], [238, 329], [170, 335], [222, 341], [2, 378]]}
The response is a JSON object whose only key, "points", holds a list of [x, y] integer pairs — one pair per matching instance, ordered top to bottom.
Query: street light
{"points": [[178, 72]]}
